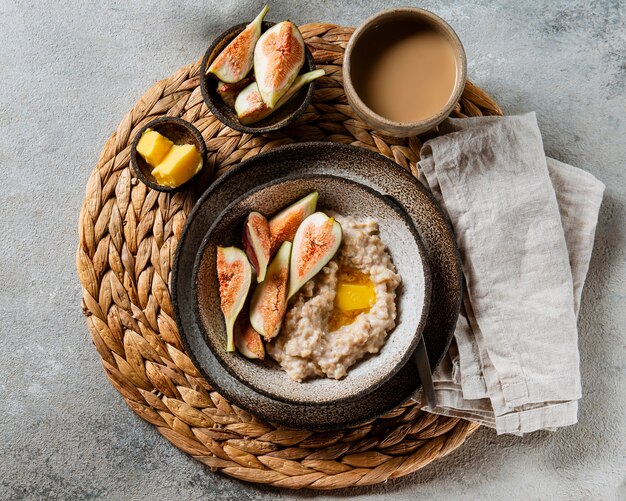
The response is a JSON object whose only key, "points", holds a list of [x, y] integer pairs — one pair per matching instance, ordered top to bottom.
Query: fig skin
{"points": [[278, 58], [235, 61], [228, 92], [250, 106], [283, 226], [316, 242], [256, 243], [234, 275], [269, 301], [247, 340]]}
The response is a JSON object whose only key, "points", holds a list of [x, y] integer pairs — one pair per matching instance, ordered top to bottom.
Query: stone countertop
{"points": [[69, 71]]}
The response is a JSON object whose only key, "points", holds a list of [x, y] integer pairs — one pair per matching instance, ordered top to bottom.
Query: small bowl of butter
{"points": [[167, 153]]}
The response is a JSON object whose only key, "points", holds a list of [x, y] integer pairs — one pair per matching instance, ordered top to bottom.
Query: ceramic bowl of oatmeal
{"points": [[325, 352]]}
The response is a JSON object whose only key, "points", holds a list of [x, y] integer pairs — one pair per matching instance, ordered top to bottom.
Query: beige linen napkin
{"points": [[525, 227]]}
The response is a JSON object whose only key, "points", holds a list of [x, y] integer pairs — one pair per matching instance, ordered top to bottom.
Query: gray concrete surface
{"points": [[68, 73]]}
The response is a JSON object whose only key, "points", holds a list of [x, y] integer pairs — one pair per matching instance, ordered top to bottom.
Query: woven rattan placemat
{"points": [[128, 236]]}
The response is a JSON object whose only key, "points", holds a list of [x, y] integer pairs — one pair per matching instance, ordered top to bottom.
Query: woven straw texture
{"points": [[128, 235]]}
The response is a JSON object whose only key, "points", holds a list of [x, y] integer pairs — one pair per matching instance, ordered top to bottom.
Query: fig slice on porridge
{"points": [[283, 226], [316, 242], [256, 243], [269, 301], [247, 340]]}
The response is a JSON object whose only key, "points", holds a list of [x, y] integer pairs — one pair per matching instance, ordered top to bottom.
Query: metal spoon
{"points": [[426, 377]]}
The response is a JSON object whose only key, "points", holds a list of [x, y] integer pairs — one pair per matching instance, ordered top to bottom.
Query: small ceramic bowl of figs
{"points": [[258, 77]]}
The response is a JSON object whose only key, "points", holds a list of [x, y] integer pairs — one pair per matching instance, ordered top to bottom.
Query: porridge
{"points": [[317, 340]]}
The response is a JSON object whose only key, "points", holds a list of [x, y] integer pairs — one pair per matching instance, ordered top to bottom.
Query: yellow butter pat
{"points": [[153, 147], [181, 163], [354, 296]]}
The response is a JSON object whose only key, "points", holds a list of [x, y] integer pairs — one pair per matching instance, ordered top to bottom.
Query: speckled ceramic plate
{"points": [[365, 167], [341, 196]]}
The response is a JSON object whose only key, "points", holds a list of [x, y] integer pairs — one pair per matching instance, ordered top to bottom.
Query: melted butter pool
{"points": [[355, 294]]}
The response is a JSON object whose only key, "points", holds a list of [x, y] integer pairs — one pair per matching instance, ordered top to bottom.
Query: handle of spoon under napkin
{"points": [[423, 369]]}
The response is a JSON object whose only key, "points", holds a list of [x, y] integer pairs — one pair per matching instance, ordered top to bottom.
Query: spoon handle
{"points": [[423, 369]]}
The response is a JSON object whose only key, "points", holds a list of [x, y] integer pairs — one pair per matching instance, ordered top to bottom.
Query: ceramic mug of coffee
{"points": [[404, 71]]}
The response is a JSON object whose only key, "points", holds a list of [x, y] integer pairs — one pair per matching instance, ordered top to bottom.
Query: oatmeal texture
{"points": [[304, 347]]}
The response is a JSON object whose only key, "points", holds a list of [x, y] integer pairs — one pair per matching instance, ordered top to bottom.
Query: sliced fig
{"points": [[278, 58], [235, 61], [229, 91], [249, 105], [251, 108], [283, 226], [316, 242], [256, 243], [234, 274], [269, 301], [247, 340]]}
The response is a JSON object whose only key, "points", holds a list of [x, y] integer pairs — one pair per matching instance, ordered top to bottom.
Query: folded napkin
{"points": [[525, 227]]}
